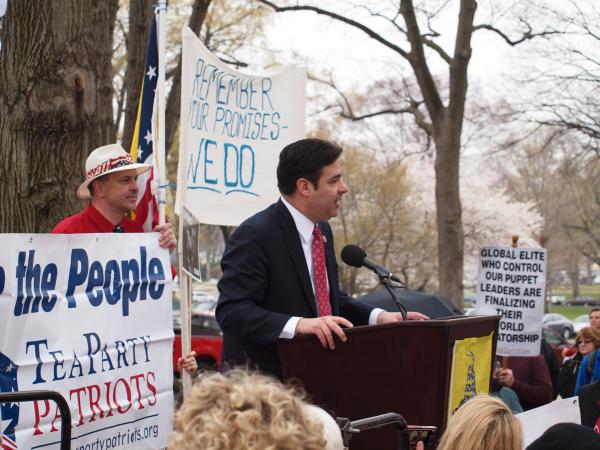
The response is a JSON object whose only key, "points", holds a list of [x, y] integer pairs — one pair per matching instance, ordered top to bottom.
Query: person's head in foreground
{"points": [[242, 410], [483, 422]]}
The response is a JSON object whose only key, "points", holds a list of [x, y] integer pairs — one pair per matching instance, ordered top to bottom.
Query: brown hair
{"points": [[589, 333]]}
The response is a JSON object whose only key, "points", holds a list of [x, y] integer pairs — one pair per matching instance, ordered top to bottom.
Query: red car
{"points": [[207, 340]]}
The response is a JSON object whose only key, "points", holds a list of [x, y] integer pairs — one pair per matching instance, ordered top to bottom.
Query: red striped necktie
{"points": [[320, 273]]}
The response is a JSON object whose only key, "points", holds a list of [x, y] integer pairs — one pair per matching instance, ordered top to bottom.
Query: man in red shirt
{"points": [[111, 187]]}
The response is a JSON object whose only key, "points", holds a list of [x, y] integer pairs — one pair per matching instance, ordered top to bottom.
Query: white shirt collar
{"points": [[304, 225]]}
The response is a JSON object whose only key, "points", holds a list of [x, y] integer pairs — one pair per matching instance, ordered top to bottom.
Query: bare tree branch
{"points": [[341, 18], [528, 35], [440, 51], [462, 56], [417, 60]]}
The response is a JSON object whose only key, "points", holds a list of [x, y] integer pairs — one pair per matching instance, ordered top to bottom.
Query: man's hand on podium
{"points": [[389, 317], [322, 328]]}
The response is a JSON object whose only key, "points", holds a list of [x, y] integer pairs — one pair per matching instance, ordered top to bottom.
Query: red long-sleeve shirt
{"points": [[90, 220], [532, 382]]}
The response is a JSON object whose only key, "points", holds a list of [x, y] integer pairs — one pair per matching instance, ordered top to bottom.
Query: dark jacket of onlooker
{"points": [[553, 365], [567, 376], [532, 381], [589, 405]]}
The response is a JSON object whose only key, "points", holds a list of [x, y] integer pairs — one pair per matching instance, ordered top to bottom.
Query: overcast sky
{"points": [[325, 42]]}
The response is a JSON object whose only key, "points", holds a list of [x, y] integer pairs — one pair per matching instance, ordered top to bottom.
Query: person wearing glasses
{"points": [[587, 340], [589, 368]]}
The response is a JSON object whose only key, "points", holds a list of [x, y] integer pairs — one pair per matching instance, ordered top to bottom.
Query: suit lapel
{"points": [[292, 242]]}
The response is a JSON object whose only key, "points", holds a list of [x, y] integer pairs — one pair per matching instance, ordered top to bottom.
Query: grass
{"points": [[587, 290], [570, 312]]}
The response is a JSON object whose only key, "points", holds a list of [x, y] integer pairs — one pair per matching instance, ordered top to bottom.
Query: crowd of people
{"points": [[280, 280], [530, 382], [245, 410]]}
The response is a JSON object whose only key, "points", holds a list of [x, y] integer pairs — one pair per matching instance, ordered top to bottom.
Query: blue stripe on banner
{"points": [[97, 431]]}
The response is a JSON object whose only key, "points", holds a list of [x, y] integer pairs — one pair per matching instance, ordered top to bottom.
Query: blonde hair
{"points": [[589, 333], [242, 410], [483, 422]]}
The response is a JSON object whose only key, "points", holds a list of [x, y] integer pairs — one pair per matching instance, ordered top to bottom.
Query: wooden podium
{"points": [[402, 367]]}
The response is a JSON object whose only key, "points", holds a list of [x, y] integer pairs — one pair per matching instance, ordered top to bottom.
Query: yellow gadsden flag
{"points": [[471, 370]]}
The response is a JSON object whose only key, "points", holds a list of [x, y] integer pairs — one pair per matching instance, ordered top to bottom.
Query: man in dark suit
{"points": [[280, 274]]}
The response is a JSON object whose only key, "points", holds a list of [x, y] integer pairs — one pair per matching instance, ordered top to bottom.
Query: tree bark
{"points": [[140, 23], [55, 106], [173, 107], [447, 130], [449, 213], [573, 273]]}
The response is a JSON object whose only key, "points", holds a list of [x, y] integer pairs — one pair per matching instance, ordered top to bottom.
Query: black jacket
{"points": [[265, 282], [567, 376]]}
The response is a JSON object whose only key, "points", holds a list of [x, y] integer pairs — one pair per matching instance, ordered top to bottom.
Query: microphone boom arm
{"points": [[390, 285]]}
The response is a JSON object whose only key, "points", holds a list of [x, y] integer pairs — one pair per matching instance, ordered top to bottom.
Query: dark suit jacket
{"points": [[265, 282]]}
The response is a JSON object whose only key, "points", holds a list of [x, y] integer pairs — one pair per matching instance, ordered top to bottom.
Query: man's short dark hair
{"points": [[304, 159], [91, 185], [593, 310]]}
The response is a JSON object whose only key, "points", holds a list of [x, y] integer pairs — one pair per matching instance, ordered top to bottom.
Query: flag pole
{"points": [[161, 20], [185, 284]]}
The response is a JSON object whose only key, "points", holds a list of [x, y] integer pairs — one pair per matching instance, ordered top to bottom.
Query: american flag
{"points": [[146, 211], [9, 412]]}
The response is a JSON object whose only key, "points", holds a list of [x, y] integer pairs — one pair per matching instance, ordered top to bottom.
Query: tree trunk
{"points": [[141, 15], [140, 23], [55, 106], [173, 107], [449, 213], [574, 277]]}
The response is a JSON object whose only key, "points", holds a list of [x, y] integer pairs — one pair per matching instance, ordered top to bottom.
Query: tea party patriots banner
{"points": [[88, 316]]}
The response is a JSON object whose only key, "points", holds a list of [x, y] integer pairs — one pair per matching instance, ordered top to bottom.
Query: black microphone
{"points": [[355, 256]]}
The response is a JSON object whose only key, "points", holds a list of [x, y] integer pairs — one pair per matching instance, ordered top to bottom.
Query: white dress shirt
{"points": [[305, 230]]}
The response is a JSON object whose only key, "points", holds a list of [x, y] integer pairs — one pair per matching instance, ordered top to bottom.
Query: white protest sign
{"points": [[233, 127], [511, 282], [88, 316], [536, 421]]}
